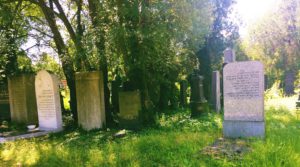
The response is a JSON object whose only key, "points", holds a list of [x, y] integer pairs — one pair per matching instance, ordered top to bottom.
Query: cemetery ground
{"points": [[175, 140]]}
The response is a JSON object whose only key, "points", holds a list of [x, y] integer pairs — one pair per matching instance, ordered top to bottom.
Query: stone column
{"points": [[216, 94], [90, 100], [198, 101], [23, 107]]}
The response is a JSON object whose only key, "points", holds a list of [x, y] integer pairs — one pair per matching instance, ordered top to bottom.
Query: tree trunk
{"points": [[67, 64]]}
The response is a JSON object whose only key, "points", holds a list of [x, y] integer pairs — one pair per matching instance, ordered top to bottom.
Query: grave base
{"points": [[236, 129]]}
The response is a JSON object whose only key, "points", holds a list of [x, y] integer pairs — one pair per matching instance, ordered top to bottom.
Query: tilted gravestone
{"points": [[216, 94], [22, 99], [244, 99], [90, 100], [48, 101]]}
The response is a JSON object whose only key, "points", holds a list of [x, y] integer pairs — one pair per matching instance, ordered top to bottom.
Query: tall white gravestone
{"points": [[244, 99], [48, 101]]}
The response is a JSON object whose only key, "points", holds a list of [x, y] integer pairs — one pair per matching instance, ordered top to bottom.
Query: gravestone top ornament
{"points": [[229, 56], [244, 99], [48, 101]]}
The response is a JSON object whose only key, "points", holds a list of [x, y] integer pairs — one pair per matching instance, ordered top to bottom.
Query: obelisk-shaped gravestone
{"points": [[216, 94], [244, 99], [48, 101]]}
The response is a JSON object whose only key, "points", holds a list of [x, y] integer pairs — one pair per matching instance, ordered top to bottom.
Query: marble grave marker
{"points": [[244, 99], [48, 101]]}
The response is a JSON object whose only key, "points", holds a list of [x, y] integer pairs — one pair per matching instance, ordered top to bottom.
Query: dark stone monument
{"points": [[289, 80], [266, 82], [115, 88], [183, 95], [198, 101], [298, 102]]}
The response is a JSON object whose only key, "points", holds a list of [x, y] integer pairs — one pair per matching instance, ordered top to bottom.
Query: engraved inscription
{"points": [[244, 85], [46, 103]]}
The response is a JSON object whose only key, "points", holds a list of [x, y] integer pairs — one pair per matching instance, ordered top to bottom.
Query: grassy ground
{"points": [[176, 140]]}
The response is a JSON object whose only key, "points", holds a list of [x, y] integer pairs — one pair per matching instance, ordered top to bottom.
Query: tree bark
{"points": [[65, 58]]}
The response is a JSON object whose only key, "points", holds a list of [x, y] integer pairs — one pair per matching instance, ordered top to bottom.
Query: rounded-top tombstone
{"points": [[48, 101]]}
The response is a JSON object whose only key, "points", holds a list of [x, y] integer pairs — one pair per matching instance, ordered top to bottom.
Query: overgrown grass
{"points": [[176, 140]]}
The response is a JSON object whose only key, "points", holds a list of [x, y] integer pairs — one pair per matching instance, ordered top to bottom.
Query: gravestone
{"points": [[229, 56], [289, 80], [266, 82], [216, 94], [183, 95], [22, 99], [244, 99], [90, 100], [48, 101], [4, 102], [198, 102], [130, 107]]}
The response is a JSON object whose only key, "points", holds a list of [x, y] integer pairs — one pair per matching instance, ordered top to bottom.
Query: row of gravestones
{"points": [[35, 99]]}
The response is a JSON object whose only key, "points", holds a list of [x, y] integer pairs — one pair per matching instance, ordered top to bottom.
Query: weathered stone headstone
{"points": [[229, 56], [289, 80], [266, 82], [216, 94], [183, 95], [22, 99], [244, 99], [90, 100], [48, 101], [198, 101], [4, 102], [130, 107]]}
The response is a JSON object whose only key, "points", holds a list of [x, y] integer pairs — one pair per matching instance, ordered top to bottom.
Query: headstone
{"points": [[229, 56], [289, 80], [266, 82], [183, 94], [216, 94], [22, 99], [244, 99], [90, 100], [48, 101], [4, 102], [198, 102], [298, 102], [130, 107]]}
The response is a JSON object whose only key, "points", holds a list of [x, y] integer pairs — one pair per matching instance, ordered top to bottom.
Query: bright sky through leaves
{"points": [[251, 11]]}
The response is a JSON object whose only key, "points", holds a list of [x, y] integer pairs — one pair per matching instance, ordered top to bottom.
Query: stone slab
{"points": [[244, 91], [90, 100], [48, 101], [23, 107], [130, 107], [236, 129], [27, 136]]}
